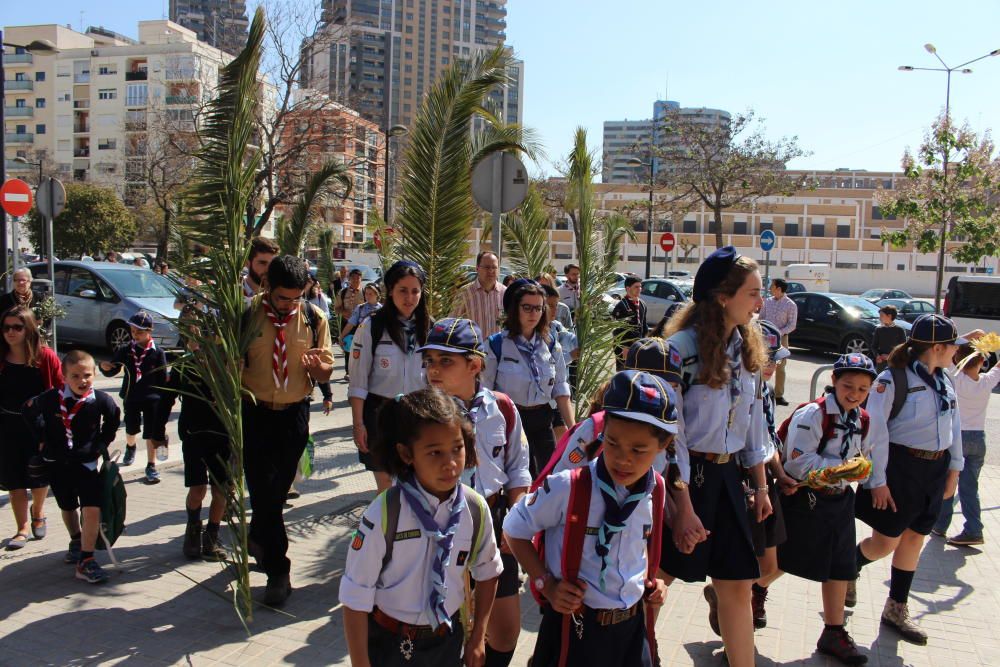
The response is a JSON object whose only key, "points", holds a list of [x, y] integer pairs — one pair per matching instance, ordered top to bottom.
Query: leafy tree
{"points": [[94, 221]]}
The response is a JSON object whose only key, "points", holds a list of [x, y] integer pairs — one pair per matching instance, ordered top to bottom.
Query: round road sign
{"points": [[500, 182], [15, 196], [51, 198], [767, 239], [667, 241]]}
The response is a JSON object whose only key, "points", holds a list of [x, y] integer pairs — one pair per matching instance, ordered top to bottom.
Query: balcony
{"points": [[18, 59], [179, 74], [141, 75], [82, 77], [24, 84], [181, 99], [81, 104], [18, 112], [81, 128], [19, 138], [81, 152]]}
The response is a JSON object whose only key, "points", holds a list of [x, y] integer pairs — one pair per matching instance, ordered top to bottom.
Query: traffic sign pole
{"points": [[51, 202]]}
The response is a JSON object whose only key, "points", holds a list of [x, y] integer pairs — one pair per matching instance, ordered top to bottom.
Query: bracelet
{"points": [[761, 489]]}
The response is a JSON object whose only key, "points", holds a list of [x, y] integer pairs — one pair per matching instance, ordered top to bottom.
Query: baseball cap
{"points": [[713, 271], [141, 320], [935, 329], [455, 334], [772, 338], [653, 355], [854, 362], [642, 397]]}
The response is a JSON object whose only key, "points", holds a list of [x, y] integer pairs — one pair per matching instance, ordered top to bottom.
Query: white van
{"points": [[815, 277], [973, 302]]}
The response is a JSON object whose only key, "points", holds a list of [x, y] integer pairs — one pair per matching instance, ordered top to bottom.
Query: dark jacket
{"points": [[633, 321], [886, 338], [154, 374], [196, 419], [94, 426]]}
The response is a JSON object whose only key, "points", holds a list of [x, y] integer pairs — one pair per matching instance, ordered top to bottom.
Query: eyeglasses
{"points": [[530, 308], [12, 327]]}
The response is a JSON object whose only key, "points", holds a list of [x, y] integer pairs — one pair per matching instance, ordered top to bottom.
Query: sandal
{"points": [[38, 527], [17, 542]]}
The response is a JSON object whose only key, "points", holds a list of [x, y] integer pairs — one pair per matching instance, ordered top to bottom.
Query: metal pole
{"points": [[3, 179], [386, 191], [497, 195], [649, 222], [51, 253], [767, 265], [939, 279]]}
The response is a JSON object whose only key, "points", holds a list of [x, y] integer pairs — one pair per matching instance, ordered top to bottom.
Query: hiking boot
{"points": [[129, 457], [152, 476], [192, 539], [963, 539], [211, 549], [72, 556], [91, 572], [279, 587], [758, 596], [851, 599], [713, 608], [897, 616], [837, 643]]}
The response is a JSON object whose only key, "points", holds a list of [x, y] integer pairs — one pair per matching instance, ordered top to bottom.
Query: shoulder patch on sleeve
{"points": [[884, 381], [880, 388], [804, 427], [796, 453], [576, 455], [531, 499], [358, 541]]}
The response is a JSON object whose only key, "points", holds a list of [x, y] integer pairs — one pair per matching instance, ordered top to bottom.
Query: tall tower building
{"points": [[219, 23], [380, 56]]}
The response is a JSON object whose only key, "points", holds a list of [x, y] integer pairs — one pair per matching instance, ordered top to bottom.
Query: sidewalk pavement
{"points": [[161, 608]]}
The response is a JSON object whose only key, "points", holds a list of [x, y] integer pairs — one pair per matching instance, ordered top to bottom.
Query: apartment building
{"points": [[219, 23], [93, 110]]}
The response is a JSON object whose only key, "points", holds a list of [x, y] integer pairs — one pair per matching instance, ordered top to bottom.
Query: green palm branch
{"points": [[331, 177], [436, 207], [214, 217], [526, 236], [325, 268]]}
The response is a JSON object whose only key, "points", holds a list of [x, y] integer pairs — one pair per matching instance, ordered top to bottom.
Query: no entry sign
{"points": [[15, 197], [667, 242]]}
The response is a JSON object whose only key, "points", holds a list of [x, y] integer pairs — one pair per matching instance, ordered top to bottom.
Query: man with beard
{"points": [[262, 251], [569, 292]]}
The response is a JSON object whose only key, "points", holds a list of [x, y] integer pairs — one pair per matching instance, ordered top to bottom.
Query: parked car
{"points": [[793, 286], [879, 293], [658, 294], [99, 297], [973, 302], [909, 309], [840, 323]]}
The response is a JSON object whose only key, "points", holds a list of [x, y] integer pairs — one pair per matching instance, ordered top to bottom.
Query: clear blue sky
{"points": [[825, 72]]}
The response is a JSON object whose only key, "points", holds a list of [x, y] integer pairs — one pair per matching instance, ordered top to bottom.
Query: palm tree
{"points": [[291, 232]]}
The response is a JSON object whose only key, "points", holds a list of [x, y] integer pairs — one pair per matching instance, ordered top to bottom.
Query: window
{"points": [[107, 70], [39, 76], [107, 94], [136, 94], [40, 103], [20, 104], [40, 128], [20, 129], [877, 214], [765, 225], [690, 226], [740, 227], [791, 229], [817, 229], [843, 231], [80, 280]]}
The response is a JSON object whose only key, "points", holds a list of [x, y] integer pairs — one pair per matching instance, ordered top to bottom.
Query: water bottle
{"points": [[161, 452]]}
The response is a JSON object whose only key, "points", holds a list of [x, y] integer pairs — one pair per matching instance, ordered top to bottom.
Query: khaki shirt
{"points": [[258, 376]]}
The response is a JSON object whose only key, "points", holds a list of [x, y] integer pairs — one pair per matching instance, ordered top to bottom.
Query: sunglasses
{"points": [[530, 308], [12, 327]]}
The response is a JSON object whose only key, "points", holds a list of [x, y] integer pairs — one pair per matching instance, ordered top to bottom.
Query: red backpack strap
{"points": [[508, 411], [597, 418], [866, 420], [577, 511], [653, 544]]}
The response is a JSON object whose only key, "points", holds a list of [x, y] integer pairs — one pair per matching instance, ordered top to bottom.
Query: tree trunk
{"points": [[718, 226], [163, 243]]}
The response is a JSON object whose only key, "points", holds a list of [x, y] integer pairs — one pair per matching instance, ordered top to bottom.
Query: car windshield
{"points": [[140, 284], [686, 287], [872, 293], [857, 306]]}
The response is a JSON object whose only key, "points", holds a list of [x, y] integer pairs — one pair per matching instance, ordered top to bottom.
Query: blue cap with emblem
{"points": [[712, 272], [141, 320], [935, 329], [455, 334], [772, 338], [652, 355], [854, 362], [642, 397]]}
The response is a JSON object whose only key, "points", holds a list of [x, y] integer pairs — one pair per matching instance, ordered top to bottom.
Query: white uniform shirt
{"points": [[570, 295], [383, 369], [511, 375], [919, 425], [758, 427], [805, 431], [502, 464], [545, 509], [403, 589]]}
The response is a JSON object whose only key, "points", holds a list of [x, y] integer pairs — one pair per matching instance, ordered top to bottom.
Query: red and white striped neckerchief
{"points": [[279, 357], [138, 360], [69, 414]]}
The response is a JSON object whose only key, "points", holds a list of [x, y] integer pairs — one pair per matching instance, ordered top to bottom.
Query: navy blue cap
{"points": [[398, 268], [713, 271], [511, 292], [141, 320], [934, 329], [455, 334], [772, 338], [653, 355], [855, 362], [644, 398]]}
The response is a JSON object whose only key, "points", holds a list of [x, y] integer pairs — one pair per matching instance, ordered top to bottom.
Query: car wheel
{"points": [[119, 336], [855, 344]]}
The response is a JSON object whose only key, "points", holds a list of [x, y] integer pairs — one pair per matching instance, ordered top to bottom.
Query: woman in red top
{"points": [[27, 368]]}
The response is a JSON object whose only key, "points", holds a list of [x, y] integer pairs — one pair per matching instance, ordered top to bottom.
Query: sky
{"points": [[825, 73]]}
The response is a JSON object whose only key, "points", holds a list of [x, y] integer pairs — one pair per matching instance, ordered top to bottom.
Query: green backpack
{"points": [[113, 497]]}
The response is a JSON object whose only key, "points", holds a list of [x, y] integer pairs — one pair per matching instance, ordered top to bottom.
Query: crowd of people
{"points": [[679, 470]]}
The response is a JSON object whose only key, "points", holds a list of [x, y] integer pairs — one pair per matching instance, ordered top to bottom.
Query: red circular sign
{"points": [[15, 197], [667, 241]]}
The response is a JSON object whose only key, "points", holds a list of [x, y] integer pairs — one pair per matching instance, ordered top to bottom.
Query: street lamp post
{"points": [[42, 46], [394, 131], [636, 162], [945, 222]]}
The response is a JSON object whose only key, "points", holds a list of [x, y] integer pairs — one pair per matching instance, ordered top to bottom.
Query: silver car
{"points": [[658, 294], [99, 297]]}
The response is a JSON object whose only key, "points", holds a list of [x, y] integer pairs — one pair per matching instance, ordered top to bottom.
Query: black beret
{"points": [[713, 271], [510, 293]]}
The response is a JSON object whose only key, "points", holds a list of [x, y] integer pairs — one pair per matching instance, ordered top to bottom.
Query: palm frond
{"points": [[492, 138], [292, 233], [525, 236], [325, 270]]}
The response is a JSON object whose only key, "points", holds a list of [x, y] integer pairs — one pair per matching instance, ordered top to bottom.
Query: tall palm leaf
{"points": [[215, 206], [436, 208], [292, 232], [526, 236]]}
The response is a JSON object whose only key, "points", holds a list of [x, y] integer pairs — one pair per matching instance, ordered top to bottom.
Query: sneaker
{"points": [[781, 401], [129, 457], [152, 476], [938, 532], [192, 539], [963, 539], [211, 548], [72, 556], [91, 572], [279, 587], [758, 596], [851, 599], [713, 608], [897, 616], [837, 643]]}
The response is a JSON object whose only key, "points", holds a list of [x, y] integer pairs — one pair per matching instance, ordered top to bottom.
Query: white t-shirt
{"points": [[974, 397]]}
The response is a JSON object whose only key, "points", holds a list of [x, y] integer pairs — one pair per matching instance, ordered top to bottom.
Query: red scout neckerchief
{"points": [[279, 359], [138, 360], [69, 414]]}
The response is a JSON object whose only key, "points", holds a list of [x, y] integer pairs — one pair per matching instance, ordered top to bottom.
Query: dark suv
{"points": [[836, 323]]}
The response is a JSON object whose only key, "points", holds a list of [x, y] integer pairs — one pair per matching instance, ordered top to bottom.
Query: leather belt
{"points": [[269, 405], [540, 406], [921, 453], [712, 458], [615, 616], [412, 632]]}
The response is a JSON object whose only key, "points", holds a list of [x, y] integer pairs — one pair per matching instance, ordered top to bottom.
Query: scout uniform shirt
{"points": [[383, 369], [512, 373], [258, 376], [759, 425], [919, 425], [805, 431], [502, 463], [545, 509], [403, 588]]}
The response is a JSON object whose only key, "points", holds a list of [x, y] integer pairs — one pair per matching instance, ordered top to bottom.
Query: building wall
{"points": [[219, 23]]}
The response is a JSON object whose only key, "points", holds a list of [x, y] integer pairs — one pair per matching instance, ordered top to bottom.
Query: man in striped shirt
{"points": [[482, 300], [782, 312]]}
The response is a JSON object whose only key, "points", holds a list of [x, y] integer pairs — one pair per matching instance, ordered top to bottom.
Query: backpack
{"points": [[685, 342], [496, 345], [899, 394], [598, 419], [829, 429], [113, 503], [577, 510]]}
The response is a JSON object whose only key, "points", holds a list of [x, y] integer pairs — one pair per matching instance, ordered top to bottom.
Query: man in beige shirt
{"points": [[482, 300], [290, 351]]}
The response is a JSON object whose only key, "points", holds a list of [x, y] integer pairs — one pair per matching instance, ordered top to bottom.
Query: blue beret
{"points": [[713, 271]]}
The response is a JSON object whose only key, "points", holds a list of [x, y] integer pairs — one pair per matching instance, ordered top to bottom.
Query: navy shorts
{"points": [[149, 416], [369, 417], [206, 459], [74, 486], [917, 488], [821, 536], [622, 644]]}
